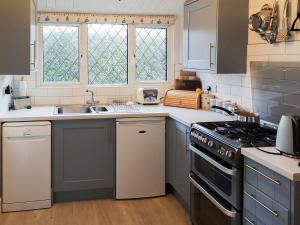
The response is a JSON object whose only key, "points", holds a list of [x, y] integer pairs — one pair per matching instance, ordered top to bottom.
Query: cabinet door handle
{"points": [[211, 46], [34, 50], [231, 172], [264, 175], [264, 206], [232, 214], [249, 221]]}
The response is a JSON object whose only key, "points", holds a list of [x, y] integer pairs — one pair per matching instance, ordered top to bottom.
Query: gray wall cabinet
{"points": [[215, 35], [18, 37], [83, 156], [178, 160], [269, 198]]}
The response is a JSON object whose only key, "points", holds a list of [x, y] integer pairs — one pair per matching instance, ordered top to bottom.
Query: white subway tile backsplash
{"points": [[293, 48], [268, 49], [231, 79], [223, 89], [82, 91], [108, 91], [37, 92], [60, 92], [4, 99], [46, 100], [72, 100]]}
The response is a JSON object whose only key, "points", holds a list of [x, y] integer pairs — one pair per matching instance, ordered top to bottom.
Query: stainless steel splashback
{"points": [[275, 89]]}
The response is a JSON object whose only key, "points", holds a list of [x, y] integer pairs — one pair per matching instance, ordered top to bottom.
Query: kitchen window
{"points": [[61, 54], [104, 54], [107, 54], [151, 54]]}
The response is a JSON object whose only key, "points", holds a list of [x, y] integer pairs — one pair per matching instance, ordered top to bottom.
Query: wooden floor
{"points": [[156, 211]]}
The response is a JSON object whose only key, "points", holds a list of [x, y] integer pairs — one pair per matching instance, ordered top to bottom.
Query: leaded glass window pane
{"points": [[61, 54], [107, 54], [151, 54]]}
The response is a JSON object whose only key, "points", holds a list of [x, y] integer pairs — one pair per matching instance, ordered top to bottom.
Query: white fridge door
{"points": [[140, 159], [26, 169]]}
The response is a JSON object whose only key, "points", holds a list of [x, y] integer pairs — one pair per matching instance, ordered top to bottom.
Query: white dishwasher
{"points": [[140, 158], [26, 166]]}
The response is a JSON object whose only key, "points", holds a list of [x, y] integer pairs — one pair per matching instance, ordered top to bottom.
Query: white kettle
{"points": [[288, 136]]}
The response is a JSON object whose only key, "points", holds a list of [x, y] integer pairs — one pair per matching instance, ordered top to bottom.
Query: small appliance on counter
{"points": [[148, 96], [183, 99], [22, 103], [288, 136]]}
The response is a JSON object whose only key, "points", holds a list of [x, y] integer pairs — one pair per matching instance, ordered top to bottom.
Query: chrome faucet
{"points": [[92, 102]]}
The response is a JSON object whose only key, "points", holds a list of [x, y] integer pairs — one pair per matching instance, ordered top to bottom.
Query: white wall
{"points": [[155, 7], [4, 99]]}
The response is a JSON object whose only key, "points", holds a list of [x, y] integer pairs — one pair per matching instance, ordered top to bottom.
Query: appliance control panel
{"points": [[215, 146]]}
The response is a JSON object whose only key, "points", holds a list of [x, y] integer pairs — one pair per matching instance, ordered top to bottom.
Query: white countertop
{"points": [[185, 116], [283, 165]]}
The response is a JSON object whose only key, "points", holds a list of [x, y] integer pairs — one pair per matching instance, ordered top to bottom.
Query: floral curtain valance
{"points": [[49, 17]]}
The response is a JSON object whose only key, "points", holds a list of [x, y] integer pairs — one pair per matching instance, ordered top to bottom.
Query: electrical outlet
{"points": [[211, 88]]}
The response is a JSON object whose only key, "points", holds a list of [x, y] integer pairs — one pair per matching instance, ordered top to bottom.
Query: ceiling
{"points": [[166, 7]]}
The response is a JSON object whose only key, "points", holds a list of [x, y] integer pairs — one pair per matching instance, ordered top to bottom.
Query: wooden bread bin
{"points": [[184, 99]]}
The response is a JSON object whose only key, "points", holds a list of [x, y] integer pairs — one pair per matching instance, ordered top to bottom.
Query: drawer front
{"points": [[267, 181], [266, 210], [249, 218]]}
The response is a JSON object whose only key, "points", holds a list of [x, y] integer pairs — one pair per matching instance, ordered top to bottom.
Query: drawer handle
{"points": [[264, 175], [267, 208], [232, 214], [249, 221]]}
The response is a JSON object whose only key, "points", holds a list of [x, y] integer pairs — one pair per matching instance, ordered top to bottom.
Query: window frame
{"points": [[167, 54], [41, 57], [131, 64], [87, 69]]}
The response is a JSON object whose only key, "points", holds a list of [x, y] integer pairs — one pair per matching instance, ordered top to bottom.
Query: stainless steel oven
{"points": [[221, 177], [216, 188], [208, 207]]}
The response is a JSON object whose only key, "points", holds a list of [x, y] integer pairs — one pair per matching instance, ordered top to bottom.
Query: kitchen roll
{"points": [[23, 88]]}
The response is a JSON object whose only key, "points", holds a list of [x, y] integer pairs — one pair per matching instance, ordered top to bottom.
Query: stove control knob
{"points": [[204, 140], [210, 144], [229, 154]]}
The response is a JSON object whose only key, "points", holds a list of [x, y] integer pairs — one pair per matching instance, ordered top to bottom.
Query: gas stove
{"points": [[224, 140]]}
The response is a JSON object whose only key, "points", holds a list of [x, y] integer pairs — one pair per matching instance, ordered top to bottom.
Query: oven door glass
{"points": [[225, 180], [207, 207]]}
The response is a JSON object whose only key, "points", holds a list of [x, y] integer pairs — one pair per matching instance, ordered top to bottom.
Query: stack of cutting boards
{"points": [[187, 81]]}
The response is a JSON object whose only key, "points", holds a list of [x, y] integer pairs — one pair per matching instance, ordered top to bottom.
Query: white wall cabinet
{"points": [[215, 35], [18, 37]]}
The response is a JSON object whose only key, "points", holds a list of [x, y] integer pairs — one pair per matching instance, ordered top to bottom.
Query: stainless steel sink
{"points": [[80, 109], [98, 109]]}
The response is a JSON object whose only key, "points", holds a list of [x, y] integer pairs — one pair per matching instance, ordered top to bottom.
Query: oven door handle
{"points": [[231, 172], [231, 214]]}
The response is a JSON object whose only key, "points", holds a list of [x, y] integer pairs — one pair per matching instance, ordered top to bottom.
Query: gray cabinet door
{"points": [[17, 22], [200, 35], [83, 155], [170, 156], [178, 159], [182, 163]]}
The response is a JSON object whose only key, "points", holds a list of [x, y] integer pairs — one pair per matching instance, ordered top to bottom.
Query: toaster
{"points": [[148, 96]]}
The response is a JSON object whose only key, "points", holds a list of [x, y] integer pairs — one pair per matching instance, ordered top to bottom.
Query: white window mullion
{"points": [[170, 53], [131, 55], [84, 80]]}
